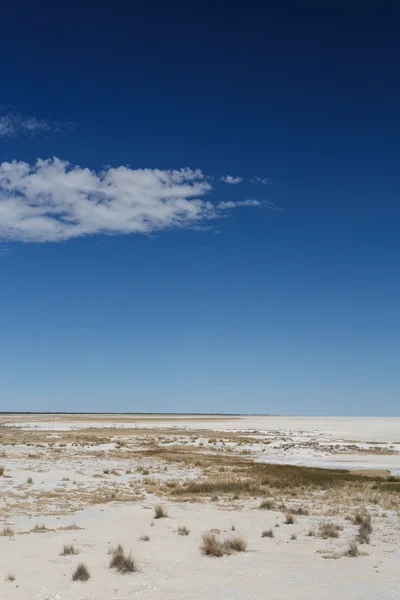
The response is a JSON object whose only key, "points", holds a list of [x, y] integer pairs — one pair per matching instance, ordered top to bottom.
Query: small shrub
{"points": [[2, 469], [29, 480], [267, 505], [301, 510], [160, 512], [289, 518], [40, 528], [183, 530], [329, 530], [7, 531], [311, 532], [364, 532], [268, 533], [293, 536], [145, 538], [213, 546], [69, 549], [353, 549], [122, 562], [81, 573], [10, 577]]}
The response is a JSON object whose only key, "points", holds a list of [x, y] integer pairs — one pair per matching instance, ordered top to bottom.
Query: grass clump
{"points": [[2, 469], [29, 480], [267, 505], [160, 512], [289, 518], [362, 518], [40, 528], [183, 530], [329, 530], [7, 531], [268, 533], [293, 536], [145, 538], [212, 545], [69, 549], [353, 550], [122, 562], [81, 573], [10, 577]]}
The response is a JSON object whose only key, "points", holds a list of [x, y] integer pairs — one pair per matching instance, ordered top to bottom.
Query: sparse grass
{"points": [[29, 481], [267, 505], [300, 510], [160, 512], [289, 518], [72, 527], [40, 528], [328, 529], [183, 530], [7, 531], [268, 533], [144, 538], [236, 544], [214, 546], [69, 549], [353, 550], [122, 562], [81, 573], [10, 577]]}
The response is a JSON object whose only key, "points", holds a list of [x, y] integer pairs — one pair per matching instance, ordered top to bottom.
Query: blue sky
{"points": [[219, 229]]}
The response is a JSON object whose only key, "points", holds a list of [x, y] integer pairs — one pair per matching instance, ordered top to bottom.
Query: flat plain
{"points": [[199, 507]]}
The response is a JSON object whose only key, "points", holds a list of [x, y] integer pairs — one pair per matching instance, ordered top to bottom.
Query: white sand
{"points": [[171, 567]]}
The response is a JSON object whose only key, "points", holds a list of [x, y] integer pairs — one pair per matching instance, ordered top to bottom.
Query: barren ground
{"points": [[93, 481]]}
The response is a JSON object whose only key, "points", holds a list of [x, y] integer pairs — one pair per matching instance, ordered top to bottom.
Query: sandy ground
{"points": [[102, 483]]}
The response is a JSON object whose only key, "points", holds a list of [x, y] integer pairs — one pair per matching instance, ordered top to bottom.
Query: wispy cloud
{"points": [[15, 124], [232, 180], [255, 180], [53, 200], [231, 204]]}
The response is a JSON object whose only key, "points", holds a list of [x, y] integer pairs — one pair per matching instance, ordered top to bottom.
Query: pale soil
{"points": [[70, 487]]}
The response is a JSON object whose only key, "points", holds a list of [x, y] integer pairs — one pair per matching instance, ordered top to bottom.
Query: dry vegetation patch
{"points": [[122, 562]]}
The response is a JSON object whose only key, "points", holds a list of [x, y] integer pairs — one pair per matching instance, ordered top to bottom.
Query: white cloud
{"points": [[12, 125], [232, 180], [260, 180], [53, 200], [230, 204]]}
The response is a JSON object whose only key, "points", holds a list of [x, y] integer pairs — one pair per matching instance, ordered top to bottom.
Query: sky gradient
{"points": [[220, 229]]}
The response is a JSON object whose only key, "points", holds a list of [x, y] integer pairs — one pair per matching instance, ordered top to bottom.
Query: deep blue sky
{"points": [[291, 311]]}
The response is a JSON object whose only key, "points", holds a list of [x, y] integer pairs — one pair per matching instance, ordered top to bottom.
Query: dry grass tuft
{"points": [[2, 469], [29, 480], [267, 505], [160, 512], [289, 518], [40, 528], [328, 529], [183, 530], [7, 531], [268, 533], [144, 538], [214, 546], [69, 549], [353, 549], [122, 562], [81, 573], [10, 577]]}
